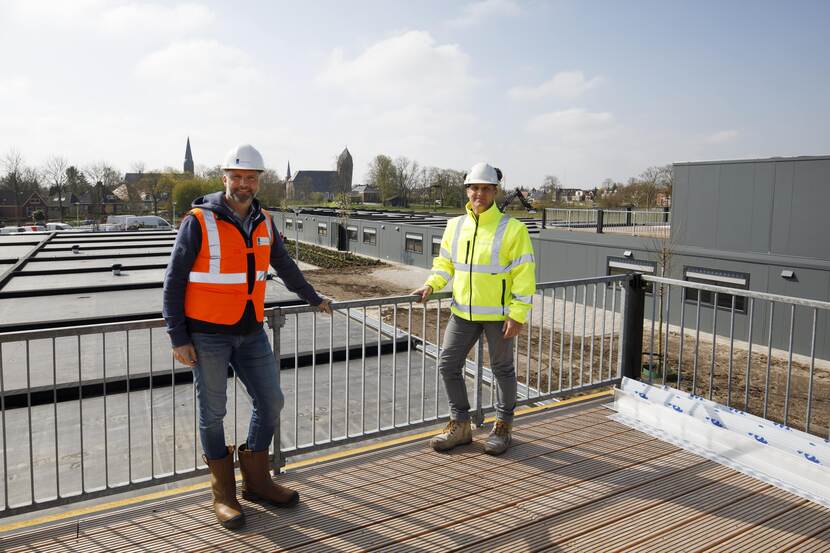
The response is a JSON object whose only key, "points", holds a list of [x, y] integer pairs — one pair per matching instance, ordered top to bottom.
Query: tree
{"points": [[13, 166], [55, 172], [104, 173], [382, 176], [405, 176], [157, 187], [551, 187], [271, 188], [187, 190], [38, 216]]}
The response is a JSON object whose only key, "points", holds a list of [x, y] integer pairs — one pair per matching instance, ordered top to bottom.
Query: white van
{"points": [[138, 222]]}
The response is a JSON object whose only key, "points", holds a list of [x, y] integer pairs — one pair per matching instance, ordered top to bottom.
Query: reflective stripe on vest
{"points": [[480, 309]]}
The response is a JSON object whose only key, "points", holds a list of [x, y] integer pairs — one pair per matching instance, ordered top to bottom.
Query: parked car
{"points": [[138, 222], [59, 226], [33, 228], [11, 230]]}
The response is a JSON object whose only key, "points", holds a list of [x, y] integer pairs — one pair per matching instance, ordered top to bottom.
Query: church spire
{"points": [[188, 158], [288, 172]]}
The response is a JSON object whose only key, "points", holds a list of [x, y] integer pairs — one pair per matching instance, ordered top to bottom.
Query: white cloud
{"points": [[477, 12], [116, 17], [178, 19], [198, 66], [405, 68], [565, 84], [13, 88], [572, 124], [722, 137]]}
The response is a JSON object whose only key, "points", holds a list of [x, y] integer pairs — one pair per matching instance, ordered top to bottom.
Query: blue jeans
{"points": [[253, 362]]}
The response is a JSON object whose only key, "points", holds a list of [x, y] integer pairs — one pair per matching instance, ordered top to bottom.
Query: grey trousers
{"points": [[459, 338]]}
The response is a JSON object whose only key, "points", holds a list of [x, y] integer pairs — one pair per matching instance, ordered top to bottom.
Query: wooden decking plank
{"points": [[324, 482], [558, 502], [450, 508], [208, 521], [721, 524], [623, 533], [780, 533], [273, 534], [816, 543]]}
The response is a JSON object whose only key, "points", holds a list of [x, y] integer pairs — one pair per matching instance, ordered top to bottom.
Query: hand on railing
{"points": [[425, 292], [325, 306], [186, 354]]}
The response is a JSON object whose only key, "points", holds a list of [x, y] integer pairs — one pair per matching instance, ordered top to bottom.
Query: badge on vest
{"points": [[263, 241]]}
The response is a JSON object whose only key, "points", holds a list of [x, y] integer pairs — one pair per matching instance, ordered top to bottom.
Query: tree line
{"points": [[60, 183]]}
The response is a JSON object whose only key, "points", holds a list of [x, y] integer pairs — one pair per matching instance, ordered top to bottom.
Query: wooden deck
{"points": [[573, 481]]}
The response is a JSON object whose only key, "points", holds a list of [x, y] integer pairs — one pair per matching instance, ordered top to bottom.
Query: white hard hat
{"points": [[244, 156], [483, 173]]}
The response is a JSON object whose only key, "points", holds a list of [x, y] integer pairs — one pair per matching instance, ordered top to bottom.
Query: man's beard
{"points": [[242, 197]]}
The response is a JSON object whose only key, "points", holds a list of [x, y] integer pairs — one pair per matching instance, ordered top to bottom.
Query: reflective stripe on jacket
{"points": [[491, 258], [220, 283]]}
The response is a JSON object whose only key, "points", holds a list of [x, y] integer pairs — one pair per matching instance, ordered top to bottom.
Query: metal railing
{"points": [[653, 223], [761, 353], [94, 410]]}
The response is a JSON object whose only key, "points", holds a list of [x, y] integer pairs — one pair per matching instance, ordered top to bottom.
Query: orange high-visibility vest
{"points": [[217, 288]]}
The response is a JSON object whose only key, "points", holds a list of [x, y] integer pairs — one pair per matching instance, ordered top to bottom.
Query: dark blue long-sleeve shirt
{"points": [[187, 246]]}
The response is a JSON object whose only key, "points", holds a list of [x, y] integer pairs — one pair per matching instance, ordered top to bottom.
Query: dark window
{"points": [[289, 224], [299, 225], [322, 229], [351, 232], [370, 236], [415, 243], [436, 247], [625, 266], [716, 277]]}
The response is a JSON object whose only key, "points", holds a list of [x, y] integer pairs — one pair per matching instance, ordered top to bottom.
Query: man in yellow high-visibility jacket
{"points": [[490, 256]]}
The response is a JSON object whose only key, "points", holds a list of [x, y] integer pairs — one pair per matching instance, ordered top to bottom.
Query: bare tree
{"points": [[13, 166], [55, 172], [405, 177]]}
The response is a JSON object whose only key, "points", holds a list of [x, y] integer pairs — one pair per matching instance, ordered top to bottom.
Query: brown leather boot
{"points": [[223, 483], [257, 484]]}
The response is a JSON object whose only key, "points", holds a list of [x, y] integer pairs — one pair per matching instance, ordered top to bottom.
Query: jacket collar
{"points": [[490, 216]]}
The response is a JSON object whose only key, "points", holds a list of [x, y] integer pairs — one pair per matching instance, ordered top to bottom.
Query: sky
{"points": [[584, 90]]}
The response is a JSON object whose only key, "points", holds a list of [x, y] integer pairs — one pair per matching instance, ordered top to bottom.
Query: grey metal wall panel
{"points": [[742, 203], [700, 215], [807, 224]]}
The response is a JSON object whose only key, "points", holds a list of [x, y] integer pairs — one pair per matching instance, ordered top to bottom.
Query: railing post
{"points": [[544, 217], [600, 220], [276, 320], [631, 333], [478, 412]]}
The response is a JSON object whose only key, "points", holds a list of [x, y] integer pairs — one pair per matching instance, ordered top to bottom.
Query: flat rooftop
{"points": [[58, 279], [574, 480]]}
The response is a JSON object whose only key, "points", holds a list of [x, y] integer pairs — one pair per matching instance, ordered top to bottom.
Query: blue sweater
{"points": [[187, 246]]}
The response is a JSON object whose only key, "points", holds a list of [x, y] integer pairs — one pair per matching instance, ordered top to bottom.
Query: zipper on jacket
{"points": [[467, 253], [472, 258], [503, 289]]}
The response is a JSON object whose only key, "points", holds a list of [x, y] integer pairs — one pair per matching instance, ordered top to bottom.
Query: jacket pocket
{"points": [[503, 290]]}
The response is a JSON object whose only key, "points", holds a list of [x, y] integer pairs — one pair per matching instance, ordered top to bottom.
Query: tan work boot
{"points": [[456, 433], [499, 438], [223, 484], [257, 484]]}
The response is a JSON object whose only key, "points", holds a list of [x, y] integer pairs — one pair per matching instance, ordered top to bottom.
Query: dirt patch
{"points": [[353, 283]]}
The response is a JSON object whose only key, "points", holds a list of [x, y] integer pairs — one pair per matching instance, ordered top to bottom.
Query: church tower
{"points": [[188, 159], [345, 165]]}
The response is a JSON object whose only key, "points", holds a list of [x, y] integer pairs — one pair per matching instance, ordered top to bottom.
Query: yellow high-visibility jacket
{"points": [[491, 258]]}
